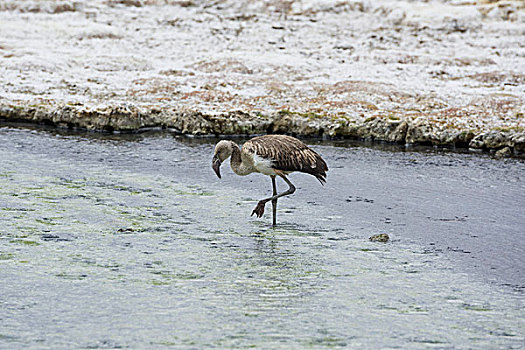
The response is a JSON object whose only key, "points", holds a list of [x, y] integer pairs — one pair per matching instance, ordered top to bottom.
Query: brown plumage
{"points": [[288, 154], [272, 155]]}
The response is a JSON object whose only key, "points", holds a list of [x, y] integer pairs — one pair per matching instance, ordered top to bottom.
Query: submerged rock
{"points": [[504, 152], [381, 237]]}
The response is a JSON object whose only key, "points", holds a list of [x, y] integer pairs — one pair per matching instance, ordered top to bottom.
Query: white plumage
{"points": [[263, 165]]}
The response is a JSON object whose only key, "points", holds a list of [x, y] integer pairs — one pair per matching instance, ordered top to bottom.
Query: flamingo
{"points": [[272, 155]]}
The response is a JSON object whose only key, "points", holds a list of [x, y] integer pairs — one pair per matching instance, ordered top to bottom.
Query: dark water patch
{"points": [[56, 237], [67, 276]]}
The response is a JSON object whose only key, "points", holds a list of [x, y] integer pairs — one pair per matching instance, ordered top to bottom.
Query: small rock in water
{"points": [[504, 152], [381, 237]]}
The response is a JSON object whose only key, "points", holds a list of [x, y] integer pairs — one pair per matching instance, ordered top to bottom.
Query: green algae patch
{"points": [[191, 192], [47, 221], [24, 242], [6, 256], [166, 275], [160, 283], [476, 308], [327, 341]]}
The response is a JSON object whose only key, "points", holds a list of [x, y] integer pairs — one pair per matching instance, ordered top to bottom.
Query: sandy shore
{"points": [[448, 73]]}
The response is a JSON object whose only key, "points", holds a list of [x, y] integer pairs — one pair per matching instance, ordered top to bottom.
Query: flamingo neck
{"points": [[236, 161], [238, 166]]}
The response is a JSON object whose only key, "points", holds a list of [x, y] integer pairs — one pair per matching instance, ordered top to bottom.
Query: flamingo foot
{"points": [[259, 209]]}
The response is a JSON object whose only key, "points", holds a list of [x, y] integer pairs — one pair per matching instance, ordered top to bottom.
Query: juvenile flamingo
{"points": [[272, 155]]}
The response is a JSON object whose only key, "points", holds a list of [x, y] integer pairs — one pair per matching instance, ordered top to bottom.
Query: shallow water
{"points": [[132, 242]]}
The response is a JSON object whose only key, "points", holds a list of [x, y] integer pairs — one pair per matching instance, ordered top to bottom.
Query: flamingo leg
{"points": [[274, 201], [259, 209]]}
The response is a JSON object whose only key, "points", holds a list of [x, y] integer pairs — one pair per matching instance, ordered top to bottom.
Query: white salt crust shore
{"points": [[447, 73]]}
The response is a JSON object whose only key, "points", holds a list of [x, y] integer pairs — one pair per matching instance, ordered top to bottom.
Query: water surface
{"points": [[131, 241]]}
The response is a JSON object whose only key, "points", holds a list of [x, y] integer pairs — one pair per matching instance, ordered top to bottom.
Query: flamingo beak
{"points": [[216, 165]]}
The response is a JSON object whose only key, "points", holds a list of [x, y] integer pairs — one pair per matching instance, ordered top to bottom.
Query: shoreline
{"points": [[379, 128]]}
